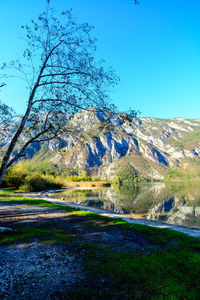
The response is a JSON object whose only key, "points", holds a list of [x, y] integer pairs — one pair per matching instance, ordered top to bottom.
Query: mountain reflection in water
{"points": [[174, 203]]}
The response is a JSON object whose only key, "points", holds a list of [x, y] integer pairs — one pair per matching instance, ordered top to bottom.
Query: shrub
{"points": [[36, 176], [83, 177], [14, 178], [76, 178], [95, 178], [37, 182]]}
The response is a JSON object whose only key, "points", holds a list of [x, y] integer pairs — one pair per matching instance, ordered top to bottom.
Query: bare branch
{"points": [[67, 74], [2, 85], [32, 140]]}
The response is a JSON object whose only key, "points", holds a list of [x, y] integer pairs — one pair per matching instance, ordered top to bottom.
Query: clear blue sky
{"points": [[154, 48]]}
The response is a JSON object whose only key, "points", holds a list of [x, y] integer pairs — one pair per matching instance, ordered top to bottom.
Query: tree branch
{"points": [[66, 74], [2, 85], [32, 140]]}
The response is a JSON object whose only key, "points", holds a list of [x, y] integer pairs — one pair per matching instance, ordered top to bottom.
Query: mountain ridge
{"points": [[150, 147]]}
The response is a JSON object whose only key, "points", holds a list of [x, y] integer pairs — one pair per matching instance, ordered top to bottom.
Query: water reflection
{"points": [[175, 203]]}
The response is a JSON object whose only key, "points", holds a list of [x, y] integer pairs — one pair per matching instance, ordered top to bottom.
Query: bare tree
{"points": [[62, 76]]}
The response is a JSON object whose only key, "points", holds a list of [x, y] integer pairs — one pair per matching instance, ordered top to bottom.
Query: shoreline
{"points": [[188, 231], [193, 232]]}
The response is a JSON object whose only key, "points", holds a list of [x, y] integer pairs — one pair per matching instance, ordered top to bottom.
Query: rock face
{"points": [[151, 147]]}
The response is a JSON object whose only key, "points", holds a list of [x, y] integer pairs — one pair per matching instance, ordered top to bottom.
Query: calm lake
{"points": [[174, 203]]}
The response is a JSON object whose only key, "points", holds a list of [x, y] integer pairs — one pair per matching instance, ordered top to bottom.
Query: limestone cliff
{"points": [[150, 147]]}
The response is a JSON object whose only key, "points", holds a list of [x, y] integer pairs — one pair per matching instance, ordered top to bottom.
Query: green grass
{"points": [[5, 191], [33, 202], [25, 234], [168, 274]]}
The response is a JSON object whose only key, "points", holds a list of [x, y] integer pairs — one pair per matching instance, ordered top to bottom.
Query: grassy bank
{"points": [[136, 262]]}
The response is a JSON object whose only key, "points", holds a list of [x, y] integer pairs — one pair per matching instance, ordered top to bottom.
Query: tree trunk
{"points": [[16, 135], [15, 138], [13, 143], [2, 172]]}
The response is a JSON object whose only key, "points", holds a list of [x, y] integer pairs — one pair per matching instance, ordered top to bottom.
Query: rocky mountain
{"points": [[148, 147]]}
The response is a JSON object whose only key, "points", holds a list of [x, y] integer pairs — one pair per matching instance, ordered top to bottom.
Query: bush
{"points": [[35, 176], [20, 177], [83, 177], [76, 178], [95, 178], [14, 179], [37, 182]]}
